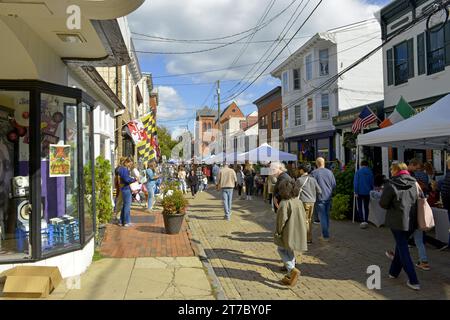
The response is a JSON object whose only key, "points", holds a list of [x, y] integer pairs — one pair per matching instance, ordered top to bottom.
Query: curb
{"points": [[200, 252]]}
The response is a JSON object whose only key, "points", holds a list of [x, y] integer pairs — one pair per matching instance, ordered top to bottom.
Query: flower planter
{"points": [[173, 222]]}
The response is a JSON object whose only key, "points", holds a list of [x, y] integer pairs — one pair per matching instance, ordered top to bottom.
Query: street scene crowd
{"points": [[301, 196]]}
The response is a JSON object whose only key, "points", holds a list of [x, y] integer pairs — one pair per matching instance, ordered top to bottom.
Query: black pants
{"points": [[240, 186], [249, 187], [194, 189]]}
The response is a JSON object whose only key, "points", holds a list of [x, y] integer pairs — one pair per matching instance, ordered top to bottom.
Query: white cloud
{"points": [[194, 19], [171, 105], [177, 131]]}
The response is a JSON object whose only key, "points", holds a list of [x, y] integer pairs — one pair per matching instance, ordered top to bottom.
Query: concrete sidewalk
{"points": [[140, 279]]}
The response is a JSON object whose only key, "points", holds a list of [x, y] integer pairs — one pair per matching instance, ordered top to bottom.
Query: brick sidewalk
{"points": [[146, 238], [245, 260]]}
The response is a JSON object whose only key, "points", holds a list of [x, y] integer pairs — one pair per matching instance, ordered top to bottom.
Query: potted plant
{"points": [[174, 209]]}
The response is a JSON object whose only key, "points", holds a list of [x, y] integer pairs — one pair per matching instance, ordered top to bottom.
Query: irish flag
{"points": [[402, 111]]}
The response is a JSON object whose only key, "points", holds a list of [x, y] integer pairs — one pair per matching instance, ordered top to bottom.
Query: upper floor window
{"points": [[436, 51], [323, 62], [401, 62], [309, 67], [296, 78], [285, 82], [310, 106], [325, 106], [298, 115], [286, 118], [276, 119], [263, 122], [204, 127]]}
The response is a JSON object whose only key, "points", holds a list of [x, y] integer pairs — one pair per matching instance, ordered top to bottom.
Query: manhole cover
{"points": [[143, 219]]}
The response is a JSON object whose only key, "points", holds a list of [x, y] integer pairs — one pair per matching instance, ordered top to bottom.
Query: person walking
{"points": [[279, 171], [215, 172], [150, 173], [199, 173], [182, 179], [249, 179], [240, 180], [125, 181], [192, 181], [226, 181], [327, 183], [362, 185], [444, 186], [309, 189], [399, 198], [118, 199], [291, 229]]}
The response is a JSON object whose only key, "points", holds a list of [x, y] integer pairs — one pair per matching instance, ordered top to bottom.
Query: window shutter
{"points": [[447, 43], [421, 54], [411, 58], [390, 67]]}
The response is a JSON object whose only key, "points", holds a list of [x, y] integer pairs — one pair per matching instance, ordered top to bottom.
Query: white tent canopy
{"points": [[429, 129], [265, 153]]}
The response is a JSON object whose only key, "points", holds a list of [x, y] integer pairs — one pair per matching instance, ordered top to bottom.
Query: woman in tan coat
{"points": [[291, 229]]}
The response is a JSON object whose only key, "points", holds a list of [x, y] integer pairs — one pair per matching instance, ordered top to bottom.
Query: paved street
{"points": [[247, 265]]}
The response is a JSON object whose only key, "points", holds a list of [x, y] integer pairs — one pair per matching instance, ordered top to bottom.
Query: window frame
{"points": [[429, 52], [327, 62], [309, 67], [296, 76], [397, 80], [322, 106], [298, 121]]}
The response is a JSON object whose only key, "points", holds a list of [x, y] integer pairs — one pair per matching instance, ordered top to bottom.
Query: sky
{"points": [[249, 30]]}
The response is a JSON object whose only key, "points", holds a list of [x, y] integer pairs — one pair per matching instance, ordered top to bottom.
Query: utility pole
{"points": [[218, 104]]}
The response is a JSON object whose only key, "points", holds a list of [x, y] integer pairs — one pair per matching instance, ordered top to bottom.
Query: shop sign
{"points": [[345, 119], [59, 160]]}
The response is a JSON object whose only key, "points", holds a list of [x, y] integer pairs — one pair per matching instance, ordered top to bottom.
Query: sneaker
{"points": [[316, 222], [364, 225], [324, 239], [444, 248], [390, 254], [423, 265], [284, 269], [392, 277], [291, 279], [415, 287]]}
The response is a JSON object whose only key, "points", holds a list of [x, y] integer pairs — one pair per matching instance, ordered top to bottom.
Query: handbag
{"points": [[425, 217]]}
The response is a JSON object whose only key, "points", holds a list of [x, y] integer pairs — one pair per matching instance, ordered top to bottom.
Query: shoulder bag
{"points": [[301, 188], [425, 217]]}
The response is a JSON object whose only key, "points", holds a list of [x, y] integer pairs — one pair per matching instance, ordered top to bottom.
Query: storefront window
{"points": [[323, 148], [59, 172], [88, 172], [15, 207]]}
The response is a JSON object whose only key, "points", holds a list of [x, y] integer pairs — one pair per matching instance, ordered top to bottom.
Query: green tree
{"points": [[166, 143]]}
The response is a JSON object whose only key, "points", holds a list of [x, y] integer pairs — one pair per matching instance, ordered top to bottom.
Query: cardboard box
{"points": [[31, 281]]}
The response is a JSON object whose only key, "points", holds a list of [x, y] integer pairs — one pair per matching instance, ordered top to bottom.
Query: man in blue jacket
{"points": [[363, 184]]}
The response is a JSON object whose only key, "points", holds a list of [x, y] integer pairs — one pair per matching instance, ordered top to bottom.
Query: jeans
{"points": [[215, 180], [183, 186], [240, 186], [249, 188], [151, 194], [227, 194], [118, 205], [363, 208], [323, 211], [125, 217], [418, 239], [288, 257], [402, 258]]}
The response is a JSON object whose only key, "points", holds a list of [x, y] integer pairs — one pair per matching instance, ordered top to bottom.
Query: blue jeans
{"points": [[151, 194], [227, 194], [363, 208], [323, 211], [125, 217], [418, 239], [288, 257], [402, 258]]}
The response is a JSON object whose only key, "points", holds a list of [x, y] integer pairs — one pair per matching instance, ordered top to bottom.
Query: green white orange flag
{"points": [[402, 111]]}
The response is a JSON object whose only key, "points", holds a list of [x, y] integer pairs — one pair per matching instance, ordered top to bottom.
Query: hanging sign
{"points": [[59, 160]]}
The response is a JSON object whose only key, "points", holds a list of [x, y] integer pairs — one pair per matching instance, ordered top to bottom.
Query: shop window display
{"points": [[88, 171], [59, 172], [15, 208]]}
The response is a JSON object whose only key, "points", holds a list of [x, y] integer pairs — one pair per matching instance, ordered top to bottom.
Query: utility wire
{"points": [[219, 38], [279, 53]]}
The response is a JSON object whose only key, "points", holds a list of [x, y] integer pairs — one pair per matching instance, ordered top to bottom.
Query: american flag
{"points": [[365, 118]]}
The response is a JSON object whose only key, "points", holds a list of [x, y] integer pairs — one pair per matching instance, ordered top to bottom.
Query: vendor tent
{"points": [[429, 129], [265, 153], [217, 158]]}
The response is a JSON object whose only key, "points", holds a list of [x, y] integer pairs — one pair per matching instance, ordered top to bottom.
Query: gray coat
{"points": [[310, 190], [399, 198], [291, 225]]}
